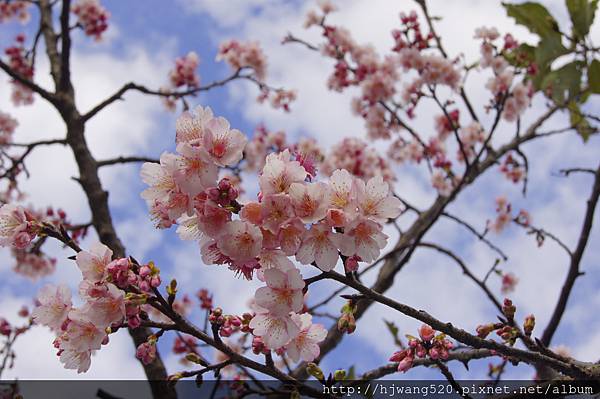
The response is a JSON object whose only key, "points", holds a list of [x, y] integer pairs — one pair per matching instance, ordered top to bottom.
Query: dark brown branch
{"points": [[65, 47], [28, 83], [118, 95], [120, 160], [477, 234], [574, 267], [463, 356], [584, 370], [446, 372]]}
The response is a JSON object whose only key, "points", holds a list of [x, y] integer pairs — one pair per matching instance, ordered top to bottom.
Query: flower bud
{"points": [[509, 309], [529, 325], [426, 332], [194, 358], [315, 371], [339, 375]]}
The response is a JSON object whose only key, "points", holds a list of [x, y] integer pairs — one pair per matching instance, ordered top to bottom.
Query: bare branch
{"points": [[122, 160]]}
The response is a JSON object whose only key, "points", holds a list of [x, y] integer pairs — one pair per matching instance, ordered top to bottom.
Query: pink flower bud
{"points": [[426, 332], [146, 352]]}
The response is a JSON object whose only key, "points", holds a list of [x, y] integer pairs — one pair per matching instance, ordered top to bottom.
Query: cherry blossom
{"points": [[15, 9], [92, 17], [243, 54], [184, 73], [190, 126], [7, 127], [225, 146], [279, 173], [309, 200], [374, 200], [15, 227], [363, 238], [240, 241], [319, 245], [93, 263], [32, 264], [283, 293], [54, 306], [276, 330], [306, 345]]}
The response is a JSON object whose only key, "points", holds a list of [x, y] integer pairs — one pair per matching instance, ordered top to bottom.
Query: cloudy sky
{"points": [[145, 36]]}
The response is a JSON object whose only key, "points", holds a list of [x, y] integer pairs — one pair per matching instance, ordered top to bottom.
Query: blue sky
{"points": [[146, 35]]}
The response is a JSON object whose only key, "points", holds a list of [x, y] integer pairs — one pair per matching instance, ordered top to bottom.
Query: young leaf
{"points": [[582, 16], [534, 17], [566, 78], [579, 122]]}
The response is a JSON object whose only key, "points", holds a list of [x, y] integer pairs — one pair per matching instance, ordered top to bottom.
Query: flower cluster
{"points": [[14, 9], [92, 17], [243, 55], [21, 65], [184, 73], [279, 98], [514, 99], [7, 127], [355, 156], [512, 169], [294, 215], [504, 215], [17, 226], [33, 264], [506, 328], [82, 331], [427, 345]]}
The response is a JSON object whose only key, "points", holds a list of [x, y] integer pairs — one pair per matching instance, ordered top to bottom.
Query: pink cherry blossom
{"points": [[17, 9], [91, 16], [243, 54], [184, 73], [190, 126], [7, 127], [225, 146], [195, 170], [279, 173], [310, 200], [374, 200], [276, 210], [14, 227], [290, 236], [363, 238], [240, 241], [319, 245], [273, 259], [93, 263], [33, 265], [283, 293], [54, 306], [107, 309], [276, 330], [81, 334], [306, 345], [146, 352], [76, 360]]}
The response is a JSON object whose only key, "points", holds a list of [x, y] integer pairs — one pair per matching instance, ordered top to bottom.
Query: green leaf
{"points": [[582, 16], [534, 17], [549, 49], [593, 75], [566, 78], [579, 121], [394, 331], [351, 375]]}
